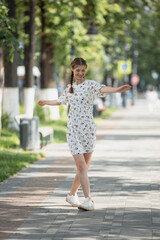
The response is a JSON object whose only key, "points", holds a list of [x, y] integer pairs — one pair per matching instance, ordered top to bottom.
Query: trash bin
{"points": [[29, 135]]}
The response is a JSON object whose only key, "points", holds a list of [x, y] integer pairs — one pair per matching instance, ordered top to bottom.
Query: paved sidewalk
{"points": [[125, 183]]}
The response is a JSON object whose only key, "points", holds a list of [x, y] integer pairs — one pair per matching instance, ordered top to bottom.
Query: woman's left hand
{"points": [[124, 88]]}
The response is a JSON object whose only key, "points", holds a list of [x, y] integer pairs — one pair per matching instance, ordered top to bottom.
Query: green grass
{"points": [[21, 109], [108, 112], [105, 114], [60, 128], [9, 139], [12, 159]]}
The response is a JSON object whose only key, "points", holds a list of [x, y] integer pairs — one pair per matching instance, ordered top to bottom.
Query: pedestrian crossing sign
{"points": [[124, 67]]}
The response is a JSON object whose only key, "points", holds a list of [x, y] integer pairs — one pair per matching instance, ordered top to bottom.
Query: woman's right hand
{"points": [[41, 103]]}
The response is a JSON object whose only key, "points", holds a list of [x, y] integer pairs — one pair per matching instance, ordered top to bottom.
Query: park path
{"points": [[125, 183]]}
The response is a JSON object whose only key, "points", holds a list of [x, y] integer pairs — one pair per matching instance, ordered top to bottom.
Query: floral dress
{"points": [[81, 130]]}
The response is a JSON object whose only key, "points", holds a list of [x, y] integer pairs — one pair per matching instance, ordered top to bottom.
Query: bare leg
{"points": [[82, 173], [76, 181]]}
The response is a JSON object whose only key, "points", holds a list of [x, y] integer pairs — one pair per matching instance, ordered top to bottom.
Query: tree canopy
{"points": [[118, 25], [7, 31]]}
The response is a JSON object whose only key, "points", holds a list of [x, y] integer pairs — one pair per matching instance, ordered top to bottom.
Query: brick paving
{"points": [[125, 183]]}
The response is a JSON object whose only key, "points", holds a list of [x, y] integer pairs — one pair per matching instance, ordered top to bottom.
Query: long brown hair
{"points": [[74, 64]]}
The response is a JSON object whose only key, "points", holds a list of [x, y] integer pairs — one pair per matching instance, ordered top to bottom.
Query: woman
{"points": [[81, 131]]}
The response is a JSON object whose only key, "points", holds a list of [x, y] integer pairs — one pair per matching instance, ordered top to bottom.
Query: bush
{"points": [[39, 111], [5, 120]]}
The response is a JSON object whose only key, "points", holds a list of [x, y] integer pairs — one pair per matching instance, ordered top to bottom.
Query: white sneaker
{"points": [[73, 200], [87, 205]]}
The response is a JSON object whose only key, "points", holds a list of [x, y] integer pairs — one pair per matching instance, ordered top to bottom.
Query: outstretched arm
{"points": [[122, 88], [48, 102]]}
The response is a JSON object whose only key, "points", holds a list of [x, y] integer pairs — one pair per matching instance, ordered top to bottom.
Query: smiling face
{"points": [[79, 72]]}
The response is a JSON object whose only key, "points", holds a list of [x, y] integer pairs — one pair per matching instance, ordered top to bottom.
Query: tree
{"points": [[7, 30], [29, 47], [149, 47], [47, 49], [29, 51], [48, 86], [11, 94]]}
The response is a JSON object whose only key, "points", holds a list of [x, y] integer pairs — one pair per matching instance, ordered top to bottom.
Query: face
{"points": [[79, 72]]}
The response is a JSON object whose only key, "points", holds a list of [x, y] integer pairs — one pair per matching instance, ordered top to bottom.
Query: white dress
{"points": [[81, 130]]}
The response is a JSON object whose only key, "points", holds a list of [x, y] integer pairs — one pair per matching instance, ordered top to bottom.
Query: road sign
{"points": [[124, 67], [135, 79]]}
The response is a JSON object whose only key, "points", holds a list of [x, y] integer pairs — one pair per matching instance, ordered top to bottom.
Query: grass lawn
{"points": [[60, 128], [13, 159]]}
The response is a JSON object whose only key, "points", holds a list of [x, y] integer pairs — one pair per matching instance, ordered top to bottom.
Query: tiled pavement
{"points": [[125, 183]]}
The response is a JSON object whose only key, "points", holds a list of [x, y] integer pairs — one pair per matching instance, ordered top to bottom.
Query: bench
{"points": [[46, 133]]}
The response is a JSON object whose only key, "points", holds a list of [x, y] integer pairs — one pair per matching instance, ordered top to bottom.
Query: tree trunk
{"points": [[29, 47], [29, 50], [47, 53], [46, 64], [1, 67], [11, 79], [1, 83], [48, 86], [11, 93]]}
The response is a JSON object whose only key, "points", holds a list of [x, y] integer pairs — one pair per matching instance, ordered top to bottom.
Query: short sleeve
{"points": [[95, 88], [63, 99]]}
